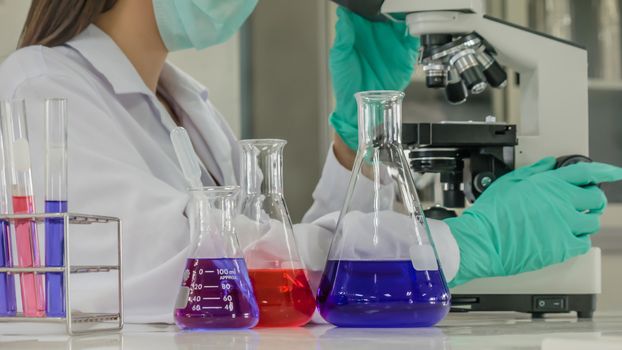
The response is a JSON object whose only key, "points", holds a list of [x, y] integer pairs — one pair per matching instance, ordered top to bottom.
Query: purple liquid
{"points": [[54, 257], [216, 294], [381, 294], [8, 305]]}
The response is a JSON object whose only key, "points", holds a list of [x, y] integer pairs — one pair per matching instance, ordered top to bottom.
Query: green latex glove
{"points": [[367, 56], [531, 218]]}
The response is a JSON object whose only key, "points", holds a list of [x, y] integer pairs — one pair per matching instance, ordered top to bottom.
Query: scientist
{"points": [[108, 58]]}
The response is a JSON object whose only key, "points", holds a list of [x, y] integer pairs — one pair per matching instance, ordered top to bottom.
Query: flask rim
{"points": [[379, 95], [262, 142], [216, 190]]}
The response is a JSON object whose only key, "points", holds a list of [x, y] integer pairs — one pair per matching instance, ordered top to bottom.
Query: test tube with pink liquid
{"points": [[18, 151]]}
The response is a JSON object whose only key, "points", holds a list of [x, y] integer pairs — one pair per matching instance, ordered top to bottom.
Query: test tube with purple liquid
{"points": [[55, 201], [8, 304]]}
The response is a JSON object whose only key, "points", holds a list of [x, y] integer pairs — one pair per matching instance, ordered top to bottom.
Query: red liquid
{"points": [[284, 297], [33, 300]]}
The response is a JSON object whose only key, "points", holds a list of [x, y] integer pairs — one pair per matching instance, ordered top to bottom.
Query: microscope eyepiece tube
{"points": [[435, 75]]}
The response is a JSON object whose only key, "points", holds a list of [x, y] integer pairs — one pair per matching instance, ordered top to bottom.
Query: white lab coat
{"points": [[122, 163]]}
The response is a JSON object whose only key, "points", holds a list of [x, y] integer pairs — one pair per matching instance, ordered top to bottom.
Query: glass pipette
{"points": [[187, 157], [190, 167]]}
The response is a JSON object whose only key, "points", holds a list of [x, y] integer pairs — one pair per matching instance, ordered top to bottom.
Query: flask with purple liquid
{"points": [[382, 268], [215, 291]]}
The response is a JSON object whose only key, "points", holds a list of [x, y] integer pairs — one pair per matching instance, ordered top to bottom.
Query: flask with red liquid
{"points": [[265, 230], [215, 292]]}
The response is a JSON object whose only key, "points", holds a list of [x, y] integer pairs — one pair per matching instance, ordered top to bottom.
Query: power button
{"points": [[550, 303]]}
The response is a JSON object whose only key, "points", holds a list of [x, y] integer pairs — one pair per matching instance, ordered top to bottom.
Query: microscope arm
{"points": [[553, 78]]}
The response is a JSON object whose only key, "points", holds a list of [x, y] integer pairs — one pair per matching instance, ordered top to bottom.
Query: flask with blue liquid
{"points": [[382, 268]]}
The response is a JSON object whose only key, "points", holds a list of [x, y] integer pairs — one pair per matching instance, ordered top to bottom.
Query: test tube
{"points": [[18, 147], [55, 201], [8, 305]]}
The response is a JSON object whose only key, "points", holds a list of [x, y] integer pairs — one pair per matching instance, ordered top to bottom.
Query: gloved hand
{"points": [[367, 56], [531, 218]]}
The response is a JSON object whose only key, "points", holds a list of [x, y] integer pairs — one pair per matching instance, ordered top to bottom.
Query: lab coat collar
{"points": [[107, 58], [179, 84], [183, 92]]}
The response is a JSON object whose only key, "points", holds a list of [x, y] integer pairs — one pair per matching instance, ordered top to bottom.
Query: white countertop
{"points": [[457, 332]]}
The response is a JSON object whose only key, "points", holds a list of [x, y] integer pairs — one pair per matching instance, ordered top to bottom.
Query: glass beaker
{"points": [[275, 268], [382, 268], [215, 291]]}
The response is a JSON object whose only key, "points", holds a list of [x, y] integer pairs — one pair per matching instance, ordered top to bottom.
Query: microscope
{"points": [[464, 52]]}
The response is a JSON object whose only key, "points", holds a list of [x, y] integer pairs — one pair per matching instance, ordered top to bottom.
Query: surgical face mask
{"points": [[184, 24]]}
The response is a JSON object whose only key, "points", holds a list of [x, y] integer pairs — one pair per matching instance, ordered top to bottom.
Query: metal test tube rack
{"points": [[71, 318]]}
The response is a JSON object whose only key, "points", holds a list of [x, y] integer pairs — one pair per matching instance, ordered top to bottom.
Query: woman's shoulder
{"points": [[39, 63]]}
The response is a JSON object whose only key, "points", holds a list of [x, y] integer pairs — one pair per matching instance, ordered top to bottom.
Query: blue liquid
{"points": [[54, 257], [382, 294], [8, 305]]}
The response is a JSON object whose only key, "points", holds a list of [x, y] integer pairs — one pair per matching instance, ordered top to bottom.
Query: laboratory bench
{"points": [[456, 332]]}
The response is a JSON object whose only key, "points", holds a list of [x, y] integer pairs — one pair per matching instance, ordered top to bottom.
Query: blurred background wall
{"points": [[289, 93]]}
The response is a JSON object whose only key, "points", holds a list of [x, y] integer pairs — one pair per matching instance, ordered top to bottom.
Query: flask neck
{"points": [[379, 118], [262, 166], [215, 207], [212, 225]]}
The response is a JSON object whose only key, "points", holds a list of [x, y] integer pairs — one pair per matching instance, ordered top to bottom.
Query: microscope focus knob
{"points": [[571, 159], [482, 180]]}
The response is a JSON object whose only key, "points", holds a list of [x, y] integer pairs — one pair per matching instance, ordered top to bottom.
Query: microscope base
{"points": [[570, 286], [537, 305]]}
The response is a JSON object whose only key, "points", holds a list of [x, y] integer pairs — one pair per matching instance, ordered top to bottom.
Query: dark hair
{"points": [[54, 22]]}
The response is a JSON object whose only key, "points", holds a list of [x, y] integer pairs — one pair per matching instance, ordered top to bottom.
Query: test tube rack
{"points": [[110, 321]]}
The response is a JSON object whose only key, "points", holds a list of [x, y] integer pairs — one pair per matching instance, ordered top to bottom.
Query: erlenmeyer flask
{"points": [[382, 268], [277, 273], [215, 291]]}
